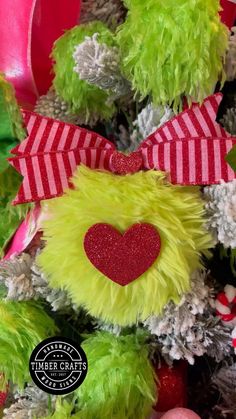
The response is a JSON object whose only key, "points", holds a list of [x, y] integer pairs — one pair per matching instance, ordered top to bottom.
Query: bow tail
{"points": [[195, 161], [47, 175]]}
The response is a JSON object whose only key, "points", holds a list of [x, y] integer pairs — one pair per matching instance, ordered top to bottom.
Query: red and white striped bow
{"points": [[191, 147]]}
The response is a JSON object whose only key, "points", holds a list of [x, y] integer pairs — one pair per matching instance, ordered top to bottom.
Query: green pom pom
{"points": [[172, 48], [87, 100], [23, 325], [120, 383], [62, 411]]}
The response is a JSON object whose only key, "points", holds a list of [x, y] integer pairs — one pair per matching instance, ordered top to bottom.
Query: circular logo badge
{"points": [[58, 365]]}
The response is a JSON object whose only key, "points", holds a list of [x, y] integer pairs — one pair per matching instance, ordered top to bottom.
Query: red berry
{"points": [[172, 387], [3, 398]]}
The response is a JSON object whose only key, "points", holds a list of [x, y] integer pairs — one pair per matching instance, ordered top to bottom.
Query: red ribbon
{"points": [[228, 14], [28, 29], [191, 148]]}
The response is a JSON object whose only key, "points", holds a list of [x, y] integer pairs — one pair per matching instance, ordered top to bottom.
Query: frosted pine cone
{"points": [[111, 12], [230, 63], [99, 64], [52, 106], [151, 118], [148, 121], [229, 121], [221, 211], [16, 275], [24, 281], [58, 299], [189, 329], [225, 381], [32, 403]]}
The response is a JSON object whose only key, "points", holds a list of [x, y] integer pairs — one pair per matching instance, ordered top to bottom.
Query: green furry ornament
{"points": [[172, 48], [88, 101], [178, 214], [23, 325], [120, 383], [63, 410]]}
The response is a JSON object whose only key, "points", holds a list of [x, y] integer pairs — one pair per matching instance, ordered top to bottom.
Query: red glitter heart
{"points": [[122, 164], [122, 257]]}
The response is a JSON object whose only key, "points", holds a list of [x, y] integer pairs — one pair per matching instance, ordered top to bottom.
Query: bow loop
{"points": [[28, 29], [195, 122]]}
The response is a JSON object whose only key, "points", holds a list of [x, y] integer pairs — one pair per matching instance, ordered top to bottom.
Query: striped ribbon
{"points": [[191, 148], [226, 305], [234, 339]]}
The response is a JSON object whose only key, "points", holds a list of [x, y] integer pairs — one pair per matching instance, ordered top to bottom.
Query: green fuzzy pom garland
{"points": [[172, 48], [85, 99], [23, 325], [120, 383]]}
